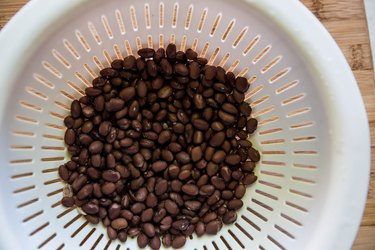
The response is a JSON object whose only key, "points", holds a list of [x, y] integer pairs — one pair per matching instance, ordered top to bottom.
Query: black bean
{"points": [[146, 52], [171, 52], [159, 54], [191, 54], [129, 62], [166, 67], [152, 68], [181, 69], [194, 70], [210, 72], [108, 73], [99, 82], [241, 84], [165, 92], [127, 93], [76, 109], [245, 109], [226, 118], [201, 124], [251, 125], [70, 137], [217, 139], [253, 154], [218, 157], [233, 159], [159, 166], [190, 189], [67, 201], [235, 204], [90, 208], [229, 217], [213, 227], [142, 240], [179, 241], [155, 243]]}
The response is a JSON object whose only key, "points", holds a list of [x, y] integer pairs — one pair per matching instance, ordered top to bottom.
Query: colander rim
{"points": [[338, 226]]}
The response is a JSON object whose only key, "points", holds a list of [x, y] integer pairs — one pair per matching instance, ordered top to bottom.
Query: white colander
{"points": [[313, 133]]}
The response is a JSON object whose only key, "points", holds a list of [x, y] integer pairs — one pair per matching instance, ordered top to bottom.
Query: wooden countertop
{"points": [[346, 21]]}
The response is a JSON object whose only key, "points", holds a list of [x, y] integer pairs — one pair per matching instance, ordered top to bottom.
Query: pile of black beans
{"points": [[160, 148]]}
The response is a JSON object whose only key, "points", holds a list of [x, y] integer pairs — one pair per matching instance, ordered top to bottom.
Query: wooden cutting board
{"points": [[346, 21]]}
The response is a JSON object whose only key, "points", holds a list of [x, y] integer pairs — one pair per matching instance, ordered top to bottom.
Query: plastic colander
{"points": [[313, 133]]}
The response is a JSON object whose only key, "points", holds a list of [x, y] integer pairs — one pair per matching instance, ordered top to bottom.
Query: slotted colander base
{"points": [[280, 209]]}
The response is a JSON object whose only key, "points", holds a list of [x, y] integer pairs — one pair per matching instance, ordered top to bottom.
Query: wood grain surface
{"points": [[346, 21]]}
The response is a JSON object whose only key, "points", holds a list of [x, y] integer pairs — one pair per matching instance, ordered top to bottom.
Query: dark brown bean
{"points": [[146, 52], [171, 52], [191, 54], [129, 62], [166, 67], [152, 68], [181, 69], [194, 70], [210, 72], [108, 73], [241, 84], [141, 89], [165, 92], [127, 94], [238, 96], [198, 101], [230, 108], [76, 109], [133, 109], [245, 109], [226, 118], [201, 124], [251, 125], [70, 137], [164, 137], [217, 139], [96, 147], [196, 153], [253, 154], [183, 157], [218, 157], [233, 159], [159, 166], [248, 166], [111, 175], [79, 182], [161, 187], [108, 188], [190, 189], [206, 190], [85, 192], [67, 201], [235, 204], [171, 207], [90, 208], [114, 211], [229, 217], [213, 227], [149, 229], [200, 229], [112, 233], [142, 240], [179, 241], [155, 243]]}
